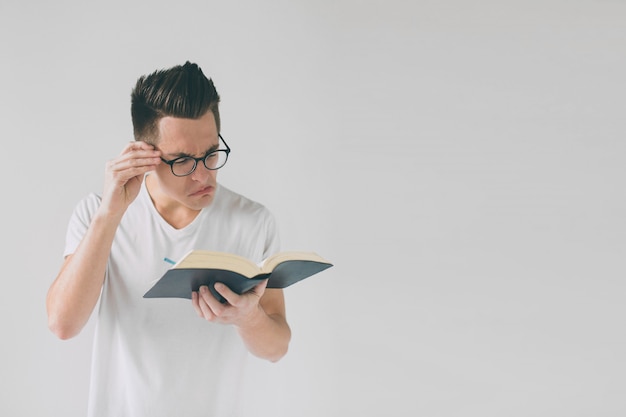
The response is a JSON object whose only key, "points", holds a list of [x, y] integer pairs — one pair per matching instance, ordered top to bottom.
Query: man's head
{"points": [[181, 91], [176, 111]]}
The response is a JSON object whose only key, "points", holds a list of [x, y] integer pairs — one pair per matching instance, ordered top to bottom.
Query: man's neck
{"points": [[176, 214]]}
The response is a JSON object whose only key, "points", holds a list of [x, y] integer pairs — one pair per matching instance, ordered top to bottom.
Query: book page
{"points": [[218, 260], [271, 262]]}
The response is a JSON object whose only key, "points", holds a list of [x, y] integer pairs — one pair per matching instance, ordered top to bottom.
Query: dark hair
{"points": [[181, 91]]}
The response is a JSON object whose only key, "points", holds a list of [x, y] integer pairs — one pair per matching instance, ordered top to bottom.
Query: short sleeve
{"points": [[79, 222], [272, 238]]}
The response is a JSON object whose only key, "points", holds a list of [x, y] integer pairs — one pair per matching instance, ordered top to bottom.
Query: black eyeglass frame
{"points": [[202, 158]]}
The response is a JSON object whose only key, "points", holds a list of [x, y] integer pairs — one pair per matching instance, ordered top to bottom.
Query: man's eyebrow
{"points": [[184, 154]]}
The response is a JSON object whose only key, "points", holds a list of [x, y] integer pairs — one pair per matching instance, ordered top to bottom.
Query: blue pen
{"points": [[169, 261]]}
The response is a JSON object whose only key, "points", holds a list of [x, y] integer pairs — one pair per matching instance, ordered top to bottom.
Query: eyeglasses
{"points": [[186, 165]]}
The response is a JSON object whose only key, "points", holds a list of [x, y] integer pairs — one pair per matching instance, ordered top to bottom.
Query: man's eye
{"points": [[183, 161]]}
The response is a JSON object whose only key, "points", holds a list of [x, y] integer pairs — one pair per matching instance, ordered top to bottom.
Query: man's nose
{"points": [[201, 172]]}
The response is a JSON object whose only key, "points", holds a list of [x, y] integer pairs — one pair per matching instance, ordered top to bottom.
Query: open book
{"points": [[202, 267]]}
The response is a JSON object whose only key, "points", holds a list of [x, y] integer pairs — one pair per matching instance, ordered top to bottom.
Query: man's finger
{"points": [[227, 293], [195, 303], [214, 307]]}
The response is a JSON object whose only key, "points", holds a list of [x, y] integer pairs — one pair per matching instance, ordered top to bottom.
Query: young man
{"points": [[155, 357]]}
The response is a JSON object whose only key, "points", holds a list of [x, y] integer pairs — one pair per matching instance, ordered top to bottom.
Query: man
{"points": [[154, 357]]}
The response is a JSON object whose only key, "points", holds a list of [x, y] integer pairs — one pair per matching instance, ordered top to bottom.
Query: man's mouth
{"points": [[202, 191]]}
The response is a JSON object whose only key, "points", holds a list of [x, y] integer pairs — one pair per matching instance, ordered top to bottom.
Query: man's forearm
{"points": [[266, 336]]}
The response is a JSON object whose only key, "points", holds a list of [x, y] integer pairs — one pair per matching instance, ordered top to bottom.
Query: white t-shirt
{"points": [[156, 357]]}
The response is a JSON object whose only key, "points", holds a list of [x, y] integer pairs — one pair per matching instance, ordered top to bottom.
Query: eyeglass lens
{"points": [[214, 160]]}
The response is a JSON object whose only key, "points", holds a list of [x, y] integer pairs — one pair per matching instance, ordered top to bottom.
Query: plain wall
{"points": [[461, 163]]}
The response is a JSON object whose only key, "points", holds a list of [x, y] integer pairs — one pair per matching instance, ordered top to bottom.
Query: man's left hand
{"points": [[239, 310]]}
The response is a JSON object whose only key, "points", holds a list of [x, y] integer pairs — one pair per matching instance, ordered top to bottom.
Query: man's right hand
{"points": [[124, 174]]}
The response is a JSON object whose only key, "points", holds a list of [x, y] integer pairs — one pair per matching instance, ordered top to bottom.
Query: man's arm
{"points": [[75, 292], [258, 315]]}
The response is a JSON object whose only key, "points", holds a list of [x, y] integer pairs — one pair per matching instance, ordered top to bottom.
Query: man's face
{"points": [[186, 137]]}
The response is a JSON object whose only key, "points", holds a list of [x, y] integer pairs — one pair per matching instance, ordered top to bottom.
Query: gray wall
{"points": [[462, 164]]}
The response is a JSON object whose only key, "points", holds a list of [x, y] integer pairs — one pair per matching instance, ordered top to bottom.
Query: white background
{"points": [[461, 163]]}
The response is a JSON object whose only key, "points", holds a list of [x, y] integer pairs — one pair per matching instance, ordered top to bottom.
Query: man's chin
{"points": [[200, 201]]}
